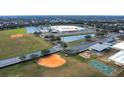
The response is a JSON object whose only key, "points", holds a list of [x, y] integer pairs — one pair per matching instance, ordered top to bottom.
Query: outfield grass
{"points": [[14, 47]]}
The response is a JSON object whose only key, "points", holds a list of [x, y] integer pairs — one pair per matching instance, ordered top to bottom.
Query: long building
{"points": [[66, 28], [118, 58]]}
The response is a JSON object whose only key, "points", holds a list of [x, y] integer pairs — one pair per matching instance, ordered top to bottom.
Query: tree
{"points": [[36, 33], [99, 33], [47, 36], [122, 36], [52, 37], [88, 37], [58, 38], [63, 44], [45, 51], [34, 56], [22, 57]]}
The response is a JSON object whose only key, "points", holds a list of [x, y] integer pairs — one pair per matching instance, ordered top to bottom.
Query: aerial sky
{"points": [[61, 7]]}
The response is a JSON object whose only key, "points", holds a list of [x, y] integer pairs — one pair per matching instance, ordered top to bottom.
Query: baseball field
{"points": [[17, 42]]}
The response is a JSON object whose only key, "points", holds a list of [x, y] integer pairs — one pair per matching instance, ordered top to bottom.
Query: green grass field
{"points": [[77, 42], [14, 47], [75, 65]]}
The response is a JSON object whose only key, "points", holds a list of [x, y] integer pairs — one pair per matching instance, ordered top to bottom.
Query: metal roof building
{"points": [[65, 28], [119, 46], [99, 47], [118, 58]]}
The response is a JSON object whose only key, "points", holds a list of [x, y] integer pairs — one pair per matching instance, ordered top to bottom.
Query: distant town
{"points": [[62, 46]]}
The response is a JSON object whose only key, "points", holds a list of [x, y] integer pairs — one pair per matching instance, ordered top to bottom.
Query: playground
{"points": [[85, 54]]}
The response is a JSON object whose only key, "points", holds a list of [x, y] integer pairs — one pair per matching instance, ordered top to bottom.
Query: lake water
{"points": [[31, 29], [74, 38]]}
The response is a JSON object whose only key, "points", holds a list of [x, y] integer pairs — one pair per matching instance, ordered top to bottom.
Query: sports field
{"points": [[11, 44], [74, 66], [102, 67]]}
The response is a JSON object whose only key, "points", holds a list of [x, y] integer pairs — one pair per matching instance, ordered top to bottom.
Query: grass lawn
{"points": [[78, 42], [75, 43], [19, 46], [75, 66]]}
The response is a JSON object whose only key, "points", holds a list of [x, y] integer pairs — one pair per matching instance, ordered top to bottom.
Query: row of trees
{"points": [[52, 38], [56, 40], [43, 52]]}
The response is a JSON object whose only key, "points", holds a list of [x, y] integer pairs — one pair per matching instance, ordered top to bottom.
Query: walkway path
{"points": [[15, 60]]}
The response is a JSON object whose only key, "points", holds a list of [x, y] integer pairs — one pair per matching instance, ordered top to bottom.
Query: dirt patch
{"points": [[15, 36], [86, 54], [52, 61]]}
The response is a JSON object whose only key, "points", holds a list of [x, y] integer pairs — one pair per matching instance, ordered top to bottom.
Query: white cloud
{"points": [[61, 7]]}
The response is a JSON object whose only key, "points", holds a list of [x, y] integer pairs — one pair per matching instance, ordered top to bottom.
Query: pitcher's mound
{"points": [[52, 61]]}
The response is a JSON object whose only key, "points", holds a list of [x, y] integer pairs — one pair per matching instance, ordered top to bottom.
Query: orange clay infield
{"points": [[18, 36], [52, 61]]}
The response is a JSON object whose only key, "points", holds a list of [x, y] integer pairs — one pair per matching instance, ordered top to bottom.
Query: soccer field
{"points": [[11, 47]]}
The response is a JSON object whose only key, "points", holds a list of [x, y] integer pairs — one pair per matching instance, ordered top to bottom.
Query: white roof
{"points": [[66, 28], [119, 46], [99, 47], [118, 57]]}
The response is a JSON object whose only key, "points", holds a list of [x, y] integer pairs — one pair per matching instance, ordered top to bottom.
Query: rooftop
{"points": [[66, 28], [119, 46], [99, 47], [118, 57]]}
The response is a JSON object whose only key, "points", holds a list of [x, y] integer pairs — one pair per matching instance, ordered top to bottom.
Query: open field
{"points": [[78, 42], [10, 47], [75, 66]]}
